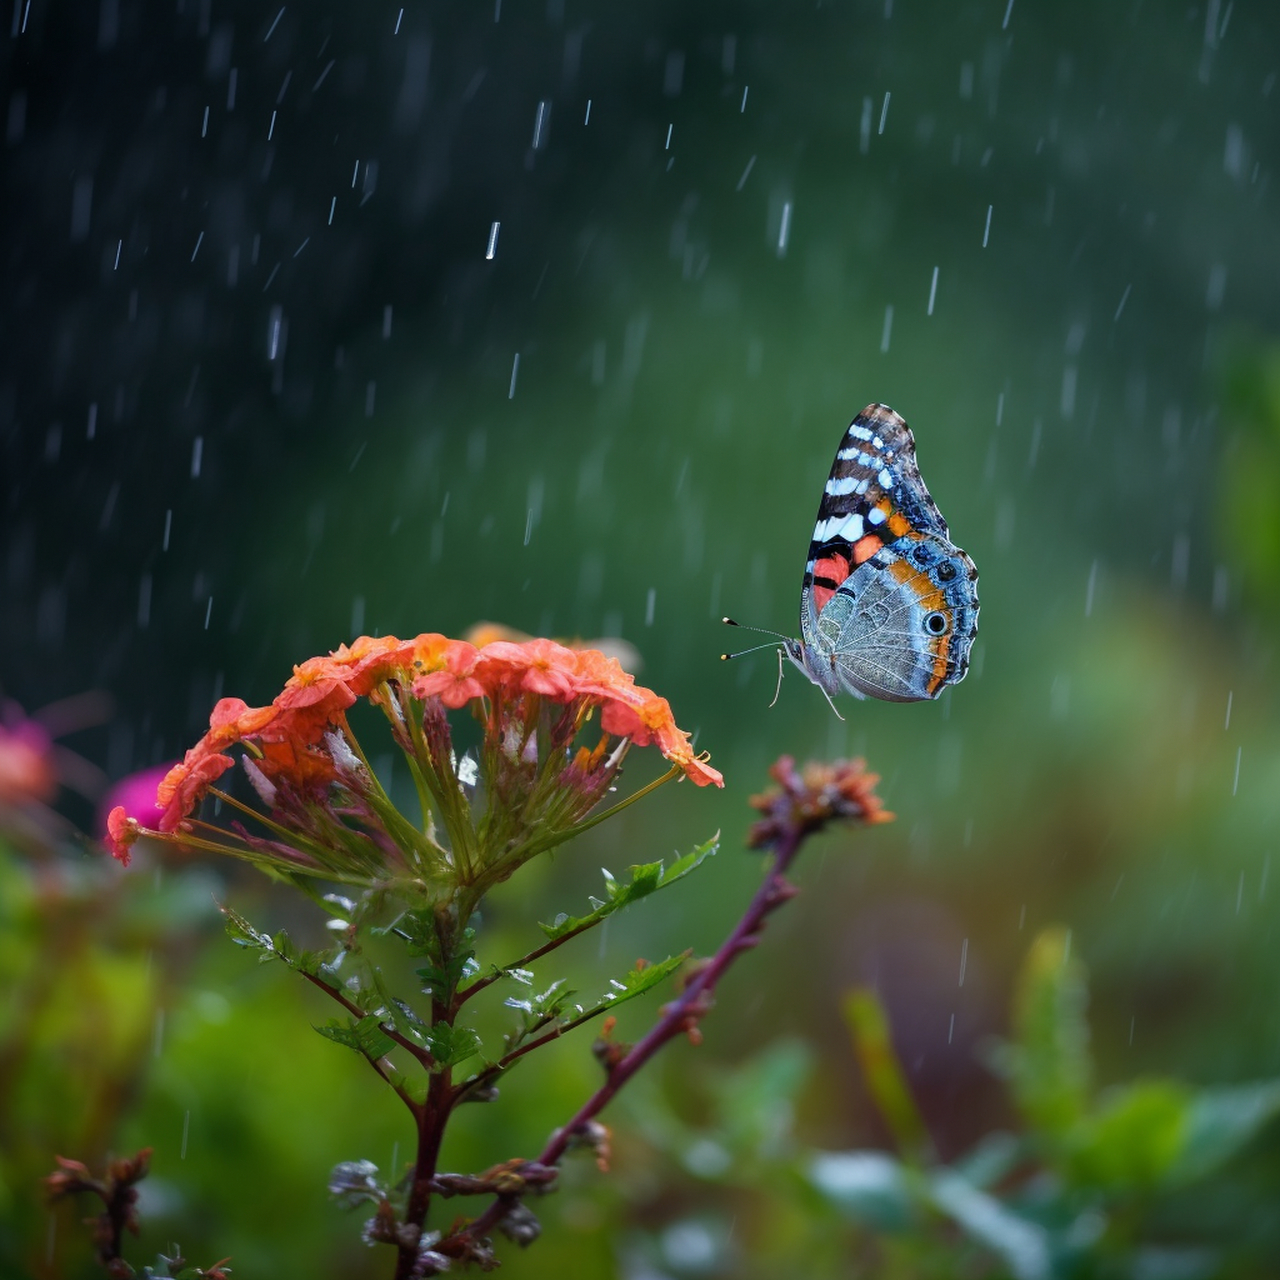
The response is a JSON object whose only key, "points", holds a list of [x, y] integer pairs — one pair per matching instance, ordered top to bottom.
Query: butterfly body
{"points": [[889, 604]]}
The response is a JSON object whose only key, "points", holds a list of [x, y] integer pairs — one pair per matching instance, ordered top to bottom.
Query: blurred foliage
{"points": [[1094, 397], [1249, 497], [88, 964], [1130, 1181]]}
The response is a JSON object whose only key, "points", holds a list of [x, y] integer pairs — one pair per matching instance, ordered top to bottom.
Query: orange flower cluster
{"points": [[289, 735], [808, 799]]}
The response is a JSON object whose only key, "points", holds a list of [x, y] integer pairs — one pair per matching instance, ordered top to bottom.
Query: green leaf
{"points": [[646, 878], [243, 934], [441, 980], [640, 980], [538, 1009], [365, 1036], [452, 1045], [1048, 1064], [886, 1080], [755, 1104], [1219, 1122], [1134, 1139], [1021, 1245]]}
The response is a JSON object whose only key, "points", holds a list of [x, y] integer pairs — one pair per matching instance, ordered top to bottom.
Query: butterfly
{"points": [[889, 604]]}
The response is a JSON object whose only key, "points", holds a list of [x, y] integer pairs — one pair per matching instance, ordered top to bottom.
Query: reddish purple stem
{"points": [[679, 1017]]}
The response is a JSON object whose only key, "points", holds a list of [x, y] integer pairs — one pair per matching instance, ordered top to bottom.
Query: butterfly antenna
{"points": [[764, 631]]}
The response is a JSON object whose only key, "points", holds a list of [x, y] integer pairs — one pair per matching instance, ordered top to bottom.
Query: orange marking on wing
{"points": [[899, 525], [866, 546], [833, 566], [835, 569], [929, 600], [942, 646]]}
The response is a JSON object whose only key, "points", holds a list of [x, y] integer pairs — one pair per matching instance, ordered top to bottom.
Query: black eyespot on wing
{"points": [[946, 571], [936, 624]]}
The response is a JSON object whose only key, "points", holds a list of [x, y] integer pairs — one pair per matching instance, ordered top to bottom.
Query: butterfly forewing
{"points": [[873, 495]]}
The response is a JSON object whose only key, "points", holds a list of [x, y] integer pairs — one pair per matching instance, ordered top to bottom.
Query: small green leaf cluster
{"points": [[419, 1042]]}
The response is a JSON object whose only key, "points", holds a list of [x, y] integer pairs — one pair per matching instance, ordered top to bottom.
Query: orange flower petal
{"points": [[186, 784], [122, 834]]}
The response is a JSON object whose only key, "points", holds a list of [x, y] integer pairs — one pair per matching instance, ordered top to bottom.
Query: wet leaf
{"points": [[646, 878], [641, 979], [364, 1035], [452, 1045]]}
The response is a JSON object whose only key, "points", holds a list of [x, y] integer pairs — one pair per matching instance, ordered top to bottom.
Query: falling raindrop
{"points": [[540, 121]]}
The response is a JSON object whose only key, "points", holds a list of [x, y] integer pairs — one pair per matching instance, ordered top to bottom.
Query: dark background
{"points": [[257, 396]]}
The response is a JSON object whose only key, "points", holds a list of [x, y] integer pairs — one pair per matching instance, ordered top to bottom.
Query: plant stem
{"points": [[684, 1012], [679, 1017], [431, 1124]]}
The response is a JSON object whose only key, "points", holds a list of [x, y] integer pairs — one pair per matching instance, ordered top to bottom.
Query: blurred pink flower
{"points": [[28, 774], [136, 795]]}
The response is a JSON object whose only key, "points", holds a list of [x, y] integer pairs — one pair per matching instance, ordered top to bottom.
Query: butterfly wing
{"points": [[873, 496], [878, 547]]}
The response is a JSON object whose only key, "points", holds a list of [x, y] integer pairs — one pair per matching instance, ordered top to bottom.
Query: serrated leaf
{"points": [[646, 878], [243, 934], [641, 979], [407, 1012], [365, 1036], [452, 1045]]}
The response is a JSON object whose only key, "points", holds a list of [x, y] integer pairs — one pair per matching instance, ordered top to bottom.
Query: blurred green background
{"points": [[262, 390]]}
